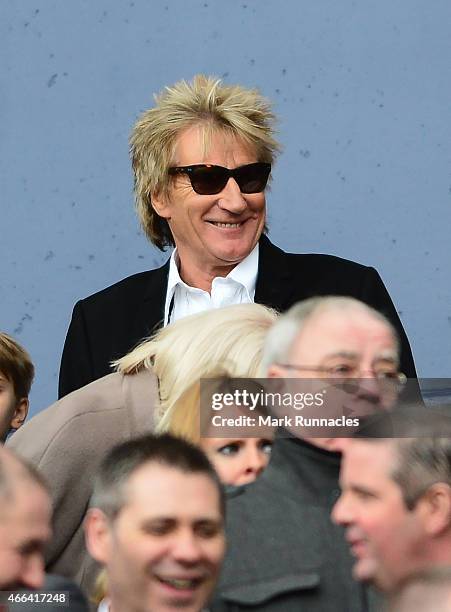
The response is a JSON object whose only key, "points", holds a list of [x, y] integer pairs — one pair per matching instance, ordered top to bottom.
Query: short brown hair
{"points": [[239, 112], [16, 365], [123, 460]]}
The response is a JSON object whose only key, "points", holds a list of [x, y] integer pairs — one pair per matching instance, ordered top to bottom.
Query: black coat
{"points": [[108, 324]]}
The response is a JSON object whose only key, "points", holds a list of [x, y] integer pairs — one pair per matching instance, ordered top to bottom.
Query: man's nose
{"points": [[231, 198], [369, 387], [337, 511], [341, 512], [186, 547], [33, 574]]}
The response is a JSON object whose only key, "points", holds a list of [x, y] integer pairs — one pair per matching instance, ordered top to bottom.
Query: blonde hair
{"points": [[237, 111], [228, 338], [190, 416], [100, 589]]}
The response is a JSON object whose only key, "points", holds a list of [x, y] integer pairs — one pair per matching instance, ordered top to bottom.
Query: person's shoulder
{"points": [[323, 260], [303, 261], [136, 284], [90, 398], [36, 435], [248, 504], [54, 582]]}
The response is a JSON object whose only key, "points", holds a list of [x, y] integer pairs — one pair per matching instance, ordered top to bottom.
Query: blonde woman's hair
{"points": [[206, 102], [228, 338], [190, 416], [100, 589]]}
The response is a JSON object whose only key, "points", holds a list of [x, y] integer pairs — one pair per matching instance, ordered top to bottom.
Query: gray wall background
{"points": [[363, 92]]}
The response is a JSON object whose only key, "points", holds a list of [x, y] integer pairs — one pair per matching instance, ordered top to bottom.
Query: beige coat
{"points": [[67, 442]]}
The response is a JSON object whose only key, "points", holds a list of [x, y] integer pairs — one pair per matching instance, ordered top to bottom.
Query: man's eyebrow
{"points": [[343, 354], [387, 356], [355, 488], [159, 519], [209, 519], [35, 545]]}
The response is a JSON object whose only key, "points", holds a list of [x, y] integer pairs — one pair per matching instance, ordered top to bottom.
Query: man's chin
{"points": [[233, 252], [364, 570]]}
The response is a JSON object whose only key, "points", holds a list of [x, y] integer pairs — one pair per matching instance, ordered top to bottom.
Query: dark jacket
{"points": [[108, 324], [283, 552], [57, 594]]}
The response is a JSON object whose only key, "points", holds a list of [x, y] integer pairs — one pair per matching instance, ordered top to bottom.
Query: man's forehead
{"points": [[194, 144], [348, 330], [375, 455], [161, 489], [27, 516]]}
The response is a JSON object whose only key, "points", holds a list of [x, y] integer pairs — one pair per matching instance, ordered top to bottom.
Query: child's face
{"points": [[12, 410]]}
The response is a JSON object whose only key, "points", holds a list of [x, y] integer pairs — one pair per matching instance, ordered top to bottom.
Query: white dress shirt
{"points": [[238, 287], [104, 605]]}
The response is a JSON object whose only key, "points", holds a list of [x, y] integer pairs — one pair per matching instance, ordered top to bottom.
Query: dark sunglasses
{"points": [[207, 179]]}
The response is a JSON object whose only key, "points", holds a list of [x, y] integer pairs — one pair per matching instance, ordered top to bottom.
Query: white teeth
{"points": [[234, 225], [179, 583]]}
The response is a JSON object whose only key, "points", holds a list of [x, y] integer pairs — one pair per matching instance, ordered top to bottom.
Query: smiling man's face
{"points": [[211, 232], [385, 537], [164, 550]]}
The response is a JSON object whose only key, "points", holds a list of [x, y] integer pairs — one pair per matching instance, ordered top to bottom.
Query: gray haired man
{"points": [[290, 556]]}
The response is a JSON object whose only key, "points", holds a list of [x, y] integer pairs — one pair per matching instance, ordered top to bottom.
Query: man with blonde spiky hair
{"points": [[202, 158]]}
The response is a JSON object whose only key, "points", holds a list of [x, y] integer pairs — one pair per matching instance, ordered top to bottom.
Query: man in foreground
{"points": [[202, 158], [395, 503], [156, 523], [25, 524], [25, 529], [290, 556]]}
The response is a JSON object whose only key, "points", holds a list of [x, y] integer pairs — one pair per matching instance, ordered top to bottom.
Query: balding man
{"points": [[290, 556]]}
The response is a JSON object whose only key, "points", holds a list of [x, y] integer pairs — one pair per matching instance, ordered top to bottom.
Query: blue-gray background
{"points": [[363, 93]]}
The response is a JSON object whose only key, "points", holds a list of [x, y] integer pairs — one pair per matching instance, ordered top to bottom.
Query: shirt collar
{"points": [[244, 273], [104, 605]]}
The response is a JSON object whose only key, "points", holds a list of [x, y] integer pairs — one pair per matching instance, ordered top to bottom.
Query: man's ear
{"points": [[161, 205], [20, 413], [435, 507], [98, 535]]}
